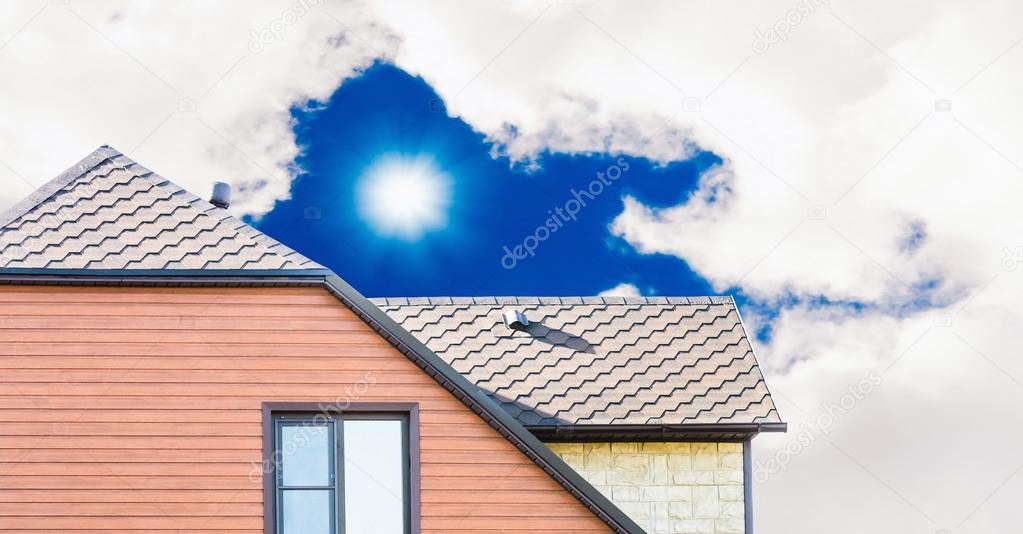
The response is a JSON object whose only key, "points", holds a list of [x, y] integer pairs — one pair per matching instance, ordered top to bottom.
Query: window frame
{"points": [[287, 411], [282, 421]]}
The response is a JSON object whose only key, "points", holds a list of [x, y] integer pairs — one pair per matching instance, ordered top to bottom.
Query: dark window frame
{"points": [[274, 410], [284, 420]]}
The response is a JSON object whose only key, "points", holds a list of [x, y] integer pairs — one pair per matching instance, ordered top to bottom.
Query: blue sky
{"points": [[899, 130], [489, 203]]}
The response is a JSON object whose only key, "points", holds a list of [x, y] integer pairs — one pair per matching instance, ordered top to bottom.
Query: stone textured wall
{"points": [[667, 488]]}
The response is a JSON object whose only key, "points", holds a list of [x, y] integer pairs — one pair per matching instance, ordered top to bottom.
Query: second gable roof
{"points": [[599, 360]]}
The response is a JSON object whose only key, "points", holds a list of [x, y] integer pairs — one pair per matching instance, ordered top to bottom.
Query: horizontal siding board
{"points": [[180, 323], [211, 337], [62, 347], [344, 361], [393, 374], [256, 391], [194, 402], [139, 410], [43, 415], [132, 428], [199, 428], [156, 442], [191, 455], [169, 456], [445, 457], [97, 468], [245, 469], [86, 482], [106, 497], [461, 497], [469, 497], [136, 509], [541, 510], [112, 523], [515, 523], [136, 531]]}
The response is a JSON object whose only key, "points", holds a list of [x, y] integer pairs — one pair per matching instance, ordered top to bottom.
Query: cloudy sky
{"points": [[851, 171]]}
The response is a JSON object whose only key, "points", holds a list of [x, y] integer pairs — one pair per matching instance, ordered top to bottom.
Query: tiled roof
{"points": [[108, 212], [599, 360]]}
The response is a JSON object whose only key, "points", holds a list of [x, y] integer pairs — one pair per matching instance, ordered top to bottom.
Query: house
{"points": [[165, 366]]}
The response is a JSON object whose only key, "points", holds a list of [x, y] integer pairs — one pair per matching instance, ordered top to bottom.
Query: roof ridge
{"points": [[551, 300]]}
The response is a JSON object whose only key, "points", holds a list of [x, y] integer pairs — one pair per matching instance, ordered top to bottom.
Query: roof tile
{"points": [[72, 221], [604, 360]]}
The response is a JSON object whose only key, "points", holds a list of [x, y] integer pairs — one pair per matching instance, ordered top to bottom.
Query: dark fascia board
{"points": [[136, 274], [433, 365], [484, 406], [707, 428], [655, 432]]}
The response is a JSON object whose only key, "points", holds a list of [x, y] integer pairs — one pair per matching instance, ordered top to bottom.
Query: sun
{"points": [[404, 196]]}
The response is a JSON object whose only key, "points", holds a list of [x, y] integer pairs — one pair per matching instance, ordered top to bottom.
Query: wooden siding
{"points": [[139, 410]]}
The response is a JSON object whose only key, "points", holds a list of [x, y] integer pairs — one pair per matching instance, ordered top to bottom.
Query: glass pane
{"points": [[305, 454], [374, 485], [306, 511]]}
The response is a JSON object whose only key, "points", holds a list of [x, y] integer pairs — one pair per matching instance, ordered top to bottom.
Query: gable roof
{"points": [[108, 212], [271, 265], [595, 362]]}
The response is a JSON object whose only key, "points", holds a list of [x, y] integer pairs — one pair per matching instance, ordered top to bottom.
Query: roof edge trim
{"points": [[47, 190], [29, 273], [553, 300], [756, 361], [472, 395], [649, 432]]}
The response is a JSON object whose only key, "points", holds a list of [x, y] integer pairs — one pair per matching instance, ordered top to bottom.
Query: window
{"points": [[341, 473]]}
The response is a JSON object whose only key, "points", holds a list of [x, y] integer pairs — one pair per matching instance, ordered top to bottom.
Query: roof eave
{"points": [[66, 274], [655, 432]]}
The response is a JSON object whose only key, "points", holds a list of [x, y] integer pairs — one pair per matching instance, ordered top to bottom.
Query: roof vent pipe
{"points": [[221, 196], [515, 319]]}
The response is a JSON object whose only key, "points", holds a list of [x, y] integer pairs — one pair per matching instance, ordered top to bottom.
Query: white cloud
{"points": [[183, 88], [837, 150], [872, 157], [622, 290]]}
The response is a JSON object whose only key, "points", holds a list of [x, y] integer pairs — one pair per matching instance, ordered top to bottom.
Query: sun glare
{"points": [[404, 196]]}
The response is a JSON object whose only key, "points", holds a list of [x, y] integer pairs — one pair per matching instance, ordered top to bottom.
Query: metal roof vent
{"points": [[221, 196], [515, 319]]}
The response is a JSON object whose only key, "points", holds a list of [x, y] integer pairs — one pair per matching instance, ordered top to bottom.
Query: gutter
{"points": [[737, 431]]}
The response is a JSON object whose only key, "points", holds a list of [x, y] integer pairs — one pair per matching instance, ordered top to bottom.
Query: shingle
{"points": [[107, 198], [597, 360], [607, 360]]}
